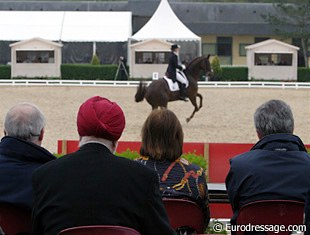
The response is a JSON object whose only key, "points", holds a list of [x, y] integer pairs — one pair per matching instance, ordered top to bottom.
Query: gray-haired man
{"points": [[21, 153], [277, 167]]}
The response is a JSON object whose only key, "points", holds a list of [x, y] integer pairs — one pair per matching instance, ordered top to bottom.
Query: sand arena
{"points": [[226, 115]]}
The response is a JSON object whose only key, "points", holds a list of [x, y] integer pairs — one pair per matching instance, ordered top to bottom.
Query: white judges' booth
{"points": [[35, 57], [149, 58], [272, 60]]}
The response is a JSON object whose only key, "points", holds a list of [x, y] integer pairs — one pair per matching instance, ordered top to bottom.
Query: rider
{"points": [[172, 70]]}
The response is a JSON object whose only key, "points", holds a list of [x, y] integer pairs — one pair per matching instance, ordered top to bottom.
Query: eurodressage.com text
{"points": [[265, 228]]}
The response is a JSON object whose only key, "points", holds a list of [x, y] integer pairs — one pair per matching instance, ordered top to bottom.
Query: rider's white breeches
{"points": [[181, 78]]}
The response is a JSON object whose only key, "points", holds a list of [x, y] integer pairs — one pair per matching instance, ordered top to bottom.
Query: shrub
{"points": [[95, 60], [216, 67], [5, 72], [88, 72], [235, 74], [303, 75], [128, 154], [191, 157], [216, 227]]}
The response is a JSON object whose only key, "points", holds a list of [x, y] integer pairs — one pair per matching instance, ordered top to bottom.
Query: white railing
{"points": [[209, 84], [295, 85]]}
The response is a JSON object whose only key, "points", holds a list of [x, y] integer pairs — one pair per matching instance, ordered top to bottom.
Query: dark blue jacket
{"points": [[173, 66], [18, 159], [277, 167]]}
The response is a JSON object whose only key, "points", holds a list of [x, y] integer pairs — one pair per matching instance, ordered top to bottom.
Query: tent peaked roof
{"points": [[164, 24]]}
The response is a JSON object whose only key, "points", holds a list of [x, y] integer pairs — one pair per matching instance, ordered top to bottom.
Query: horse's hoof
{"points": [[184, 99]]}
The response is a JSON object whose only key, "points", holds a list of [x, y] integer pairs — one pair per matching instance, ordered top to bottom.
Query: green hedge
{"points": [[5, 72], [88, 72], [107, 72], [234, 74], [241, 74], [303, 74], [191, 157]]}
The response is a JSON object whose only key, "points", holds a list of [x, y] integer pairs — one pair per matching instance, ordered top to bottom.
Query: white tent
{"points": [[165, 25], [70, 26]]}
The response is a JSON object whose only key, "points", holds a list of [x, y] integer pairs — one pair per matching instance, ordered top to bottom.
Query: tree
{"points": [[292, 20], [95, 60], [216, 68]]}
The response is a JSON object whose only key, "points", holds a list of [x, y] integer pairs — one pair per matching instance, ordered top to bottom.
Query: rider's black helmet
{"points": [[174, 46]]}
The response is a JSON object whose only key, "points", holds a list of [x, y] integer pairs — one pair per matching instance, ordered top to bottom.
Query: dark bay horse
{"points": [[158, 93]]}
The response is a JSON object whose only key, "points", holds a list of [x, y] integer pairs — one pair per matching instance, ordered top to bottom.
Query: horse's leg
{"points": [[200, 102], [194, 103]]}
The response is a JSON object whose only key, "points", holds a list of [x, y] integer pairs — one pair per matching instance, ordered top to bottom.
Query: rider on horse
{"points": [[172, 73]]}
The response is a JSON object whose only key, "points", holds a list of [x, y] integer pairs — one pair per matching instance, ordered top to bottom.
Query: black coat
{"points": [[173, 66], [18, 160], [277, 167], [94, 187]]}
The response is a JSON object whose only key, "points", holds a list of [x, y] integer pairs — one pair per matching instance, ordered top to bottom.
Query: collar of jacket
{"points": [[289, 141], [93, 146], [24, 150]]}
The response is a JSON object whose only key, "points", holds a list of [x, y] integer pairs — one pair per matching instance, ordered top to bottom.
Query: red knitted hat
{"points": [[101, 118]]}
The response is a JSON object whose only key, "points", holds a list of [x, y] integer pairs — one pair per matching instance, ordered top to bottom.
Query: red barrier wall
{"points": [[216, 154], [219, 155]]}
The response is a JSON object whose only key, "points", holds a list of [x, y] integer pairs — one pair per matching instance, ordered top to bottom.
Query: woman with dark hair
{"points": [[161, 150]]}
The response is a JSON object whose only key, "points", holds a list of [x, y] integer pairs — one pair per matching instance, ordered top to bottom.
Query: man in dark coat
{"points": [[173, 66], [21, 153], [277, 167], [93, 186]]}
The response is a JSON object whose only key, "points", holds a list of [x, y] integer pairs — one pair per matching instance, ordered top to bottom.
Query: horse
{"points": [[158, 94]]}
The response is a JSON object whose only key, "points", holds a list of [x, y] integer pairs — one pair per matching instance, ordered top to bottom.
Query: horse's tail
{"points": [[140, 92]]}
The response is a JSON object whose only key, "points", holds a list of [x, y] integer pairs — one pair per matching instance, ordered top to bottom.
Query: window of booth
{"points": [[23, 56], [146, 57], [280, 59]]}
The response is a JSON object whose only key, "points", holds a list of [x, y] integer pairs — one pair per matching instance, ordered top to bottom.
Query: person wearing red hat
{"points": [[172, 73], [93, 186]]}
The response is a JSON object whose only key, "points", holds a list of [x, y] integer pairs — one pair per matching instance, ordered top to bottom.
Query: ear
{"points": [[41, 135], [259, 135], [114, 146]]}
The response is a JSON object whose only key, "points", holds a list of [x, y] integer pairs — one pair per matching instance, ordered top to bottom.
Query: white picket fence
{"points": [[41, 82]]}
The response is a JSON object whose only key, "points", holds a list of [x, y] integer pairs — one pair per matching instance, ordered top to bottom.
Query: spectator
{"points": [[162, 143], [21, 153], [277, 167], [94, 187], [307, 214]]}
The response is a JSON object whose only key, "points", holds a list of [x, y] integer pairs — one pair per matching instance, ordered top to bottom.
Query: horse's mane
{"points": [[194, 61]]}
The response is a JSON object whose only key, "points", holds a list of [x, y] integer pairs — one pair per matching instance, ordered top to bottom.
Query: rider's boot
{"points": [[183, 92]]}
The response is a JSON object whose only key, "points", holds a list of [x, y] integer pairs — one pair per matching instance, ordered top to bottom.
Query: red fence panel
{"points": [[219, 155]]}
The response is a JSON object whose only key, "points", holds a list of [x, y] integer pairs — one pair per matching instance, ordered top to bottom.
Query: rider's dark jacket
{"points": [[173, 66]]}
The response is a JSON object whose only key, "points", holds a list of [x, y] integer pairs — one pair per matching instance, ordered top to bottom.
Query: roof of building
{"points": [[200, 17], [68, 26], [47, 42], [271, 42]]}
